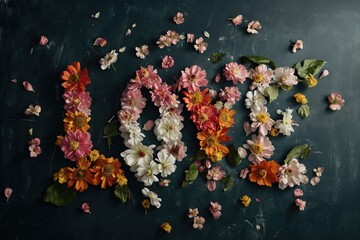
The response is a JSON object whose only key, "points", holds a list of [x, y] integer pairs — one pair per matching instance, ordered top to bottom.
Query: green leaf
{"points": [[216, 57], [259, 60], [309, 66], [273, 93], [304, 111], [111, 130], [301, 151], [233, 156], [192, 173], [229, 183], [122, 193], [59, 194]]}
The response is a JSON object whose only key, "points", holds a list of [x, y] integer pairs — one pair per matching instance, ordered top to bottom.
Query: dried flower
{"points": [[179, 18], [237, 20], [253, 26], [190, 37], [100, 42], [299, 44], [200, 45], [142, 51], [108, 60], [167, 62], [311, 81], [28, 86], [300, 98], [336, 101], [33, 110], [244, 173], [8, 192], [245, 200], [193, 213], [199, 222], [166, 227]]}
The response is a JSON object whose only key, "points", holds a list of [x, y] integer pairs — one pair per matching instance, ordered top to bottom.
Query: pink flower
{"points": [[179, 18], [237, 20], [253, 26], [173, 36], [190, 37], [43, 41], [164, 41], [299, 44], [200, 45], [142, 51], [167, 62], [235, 72], [261, 76], [285, 76], [147, 77], [193, 78], [217, 78], [27, 86], [230, 95], [161, 96], [133, 100], [77, 101], [336, 101], [127, 116], [261, 120], [34, 141], [76, 145], [34, 147], [260, 147], [177, 149], [215, 173], [244, 173], [292, 173], [211, 185], [8, 192], [298, 193], [300, 203], [85, 207], [215, 209], [193, 213], [198, 222]]}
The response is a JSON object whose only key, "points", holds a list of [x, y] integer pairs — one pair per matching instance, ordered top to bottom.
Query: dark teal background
{"points": [[330, 31]]}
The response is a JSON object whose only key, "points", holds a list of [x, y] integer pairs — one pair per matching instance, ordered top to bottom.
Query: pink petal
{"points": [[43, 41], [100, 42], [324, 74], [217, 77], [14, 80], [28, 86], [335, 107], [148, 125], [247, 128], [244, 173], [314, 181], [211, 185], [8, 192], [298, 193], [257, 200], [85, 207]]}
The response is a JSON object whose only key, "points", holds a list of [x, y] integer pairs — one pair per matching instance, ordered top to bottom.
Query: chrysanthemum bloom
{"points": [[179, 18], [237, 20], [200, 46], [108, 60], [167, 62], [236, 73], [260, 76], [284, 76], [147, 77], [74, 78], [193, 78], [311, 81], [230, 95], [161, 96], [300, 98], [196, 99], [133, 100], [255, 100], [77, 101], [336, 101], [205, 118], [226, 119], [261, 120], [76, 121], [285, 125], [168, 129], [210, 141], [76, 145], [260, 148], [177, 149], [137, 153], [94, 155], [167, 163], [106, 171], [147, 171], [264, 173], [292, 173], [61, 176], [79, 177], [154, 198], [246, 200], [215, 209], [198, 222], [166, 227]]}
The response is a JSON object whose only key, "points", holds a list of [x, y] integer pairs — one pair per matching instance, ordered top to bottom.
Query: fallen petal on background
{"points": [[28, 86], [8, 192]]}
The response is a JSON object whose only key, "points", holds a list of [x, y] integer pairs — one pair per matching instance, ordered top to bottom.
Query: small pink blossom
{"points": [[179, 18], [237, 20], [253, 26], [173, 36], [190, 37], [43, 41], [164, 41], [299, 44], [200, 45], [142, 51], [167, 62], [236, 73], [324, 74], [260, 76], [285, 76], [193, 78], [217, 78], [28, 86], [230, 95], [161, 96], [133, 100], [77, 101], [336, 101], [33, 110], [261, 120], [34, 141], [76, 145], [34, 147], [260, 147], [177, 149], [207, 163], [318, 171], [215, 173], [244, 173], [292, 173], [314, 181], [164, 182], [8, 192], [298, 193], [300, 203], [86, 208], [215, 209], [193, 213], [199, 222]]}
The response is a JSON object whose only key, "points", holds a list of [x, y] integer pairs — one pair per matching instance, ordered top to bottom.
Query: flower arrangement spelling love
{"points": [[91, 167]]}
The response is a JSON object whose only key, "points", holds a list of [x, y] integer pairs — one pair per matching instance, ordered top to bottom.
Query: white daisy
{"points": [[110, 58], [168, 129], [137, 154], [167, 162], [146, 172], [154, 198]]}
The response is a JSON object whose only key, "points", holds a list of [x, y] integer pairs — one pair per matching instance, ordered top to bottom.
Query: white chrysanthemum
{"points": [[110, 58], [285, 76], [255, 100], [285, 125], [168, 129], [131, 133], [137, 154], [167, 162], [146, 172], [292, 173], [154, 198]]}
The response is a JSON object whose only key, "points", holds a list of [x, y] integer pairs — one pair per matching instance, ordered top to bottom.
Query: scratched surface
{"points": [[330, 30]]}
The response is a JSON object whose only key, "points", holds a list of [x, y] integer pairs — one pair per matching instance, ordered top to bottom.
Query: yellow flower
{"points": [[311, 80], [300, 98], [274, 132], [59, 140], [94, 155], [216, 156], [61, 176], [122, 180], [245, 200], [145, 203], [166, 227]]}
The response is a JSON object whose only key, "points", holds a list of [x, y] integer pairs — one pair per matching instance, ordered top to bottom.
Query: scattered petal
{"points": [[96, 15], [237, 20], [133, 25], [253, 26], [128, 32], [206, 34], [182, 36], [190, 37], [43, 41], [100, 42], [299, 44], [200, 46], [122, 49], [167, 62], [324, 74], [217, 77], [14, 80], [28, 86], [33, 110], [148, 125], [247, 128], [30, 131], [242, 152], [319, 171], [244, 173], [314, 181], [164, 182], [211, 185], [8, 192], [298, 192], [257, 200], [300, 203], [85, 207], [258, 227]]}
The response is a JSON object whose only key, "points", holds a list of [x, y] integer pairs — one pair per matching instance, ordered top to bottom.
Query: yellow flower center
{"points": [[145, 73], [73, 78], [258, 78], [283, 79], [196, 97], [203, 117], [224, 117], [262, 117], [80, 121], [212, 141], [74, 145], [256, 148], [108, 170], [148, 172], [80, 173], [145, 203]]}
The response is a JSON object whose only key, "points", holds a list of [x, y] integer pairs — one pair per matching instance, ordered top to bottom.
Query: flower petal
{"points": [[206, 34], [122, 49], [324, 74], [28, 86], [148, 125], [314, 181], [8, 192], [298, 192], [85, 207]]}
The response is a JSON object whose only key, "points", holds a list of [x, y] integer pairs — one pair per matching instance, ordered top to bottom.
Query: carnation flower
{"points": [[179, 18], [253, 26], [200, 46], [142, 51], [108, 60], [167, 62], [236, 73], [261, 76], [284, 76], [193, 78], [230, 95], [255, 100], [77, 101], [336, 101], [261, 120], [285, 125], [168, 129], [76, 145], [260, 147], [166, 162], [147, 171], [292, 173], [154, 198], [215, 209]]}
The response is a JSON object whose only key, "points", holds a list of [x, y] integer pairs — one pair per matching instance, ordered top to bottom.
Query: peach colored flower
{"points": [[179, 18], [237, 20], [253, 26], [190, 37], [43, 40], [299, 44], [200, 45], [142, 51], [167, 62], [236, 73], [193, 78], [336, 101], [260, 147], [215, 209], [199, 222]]}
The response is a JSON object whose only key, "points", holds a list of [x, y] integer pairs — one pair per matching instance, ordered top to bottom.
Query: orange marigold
{"points": [[74, 78], [197, 99], [225, 118], [76, 121], [210, 141], [106, 171], [264, 173], [79, 177]]}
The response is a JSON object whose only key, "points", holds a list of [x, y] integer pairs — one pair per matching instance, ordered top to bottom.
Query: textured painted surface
{"points": [[330, 30]]}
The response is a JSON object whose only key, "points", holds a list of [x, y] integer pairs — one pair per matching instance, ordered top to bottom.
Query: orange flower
{"points": [[74, 78], [197, 99], [225, 118], [76, 121], [210, 141], [106, 171], [264, 173], [80, 176]]}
